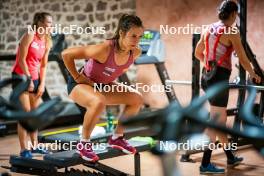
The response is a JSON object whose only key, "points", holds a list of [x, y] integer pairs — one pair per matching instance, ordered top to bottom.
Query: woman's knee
{"points": [[87, 100], [136, 100], [98, 102]]}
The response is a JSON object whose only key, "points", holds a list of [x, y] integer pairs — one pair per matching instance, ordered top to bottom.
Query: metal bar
{"points": [[8, 58], [254, 62], [195, 68], [64, 71], [242, 73], [163, 74], [195, 81], [171, 82], [231, 85], [46, 96], [261, 107], [137, 164], [105, 169]]}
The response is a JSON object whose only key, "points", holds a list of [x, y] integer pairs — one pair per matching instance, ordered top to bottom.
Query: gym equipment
{"points": [[153, 52], [242, 74], [12, 110], [230, 112], [71, 113], [39, 118], [169, 125], [72, 135], [52, 162]]}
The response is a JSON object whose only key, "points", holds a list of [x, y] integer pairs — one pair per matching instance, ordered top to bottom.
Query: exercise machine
{"points": [[71, 114], [43, 116], [169, 124]]}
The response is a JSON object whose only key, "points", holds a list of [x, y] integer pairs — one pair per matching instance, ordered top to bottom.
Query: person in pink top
{"points": [[214, 50], [31, 61], [105, 62]]}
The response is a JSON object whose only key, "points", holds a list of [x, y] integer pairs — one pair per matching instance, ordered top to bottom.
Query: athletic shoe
{"points": [[121, 144], [39, 151], [86, 152], [26, 154], [234, 162], [211, 169]]}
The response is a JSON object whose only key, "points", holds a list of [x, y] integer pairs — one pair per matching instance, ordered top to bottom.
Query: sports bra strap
{"points": [[225, 56]]}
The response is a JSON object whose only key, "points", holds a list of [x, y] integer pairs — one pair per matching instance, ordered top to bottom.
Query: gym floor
{"points": [[253, 164]]}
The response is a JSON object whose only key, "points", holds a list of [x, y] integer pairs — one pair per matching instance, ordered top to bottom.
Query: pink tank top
{"points": [[221, 51], [35, 53], [108, 71]]}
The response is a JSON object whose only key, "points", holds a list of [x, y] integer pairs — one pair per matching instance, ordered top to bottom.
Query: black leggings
{"points": [[222, 75]]}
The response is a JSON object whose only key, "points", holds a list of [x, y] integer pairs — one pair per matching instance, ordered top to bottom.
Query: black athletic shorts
{"points": [[222, 75], [35, 82], [71, 83]]}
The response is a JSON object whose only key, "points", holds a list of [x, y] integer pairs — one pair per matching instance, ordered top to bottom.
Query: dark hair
{"points": [[226, 8], [39, 17], [125, 23]]}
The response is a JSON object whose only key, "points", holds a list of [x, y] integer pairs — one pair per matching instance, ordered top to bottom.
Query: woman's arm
{"points": [[199, 50], [23, 51], [98, 52], [243, 59], [43, 68]]}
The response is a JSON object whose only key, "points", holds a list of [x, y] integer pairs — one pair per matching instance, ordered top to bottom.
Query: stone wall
{"points": [[15, 15]]}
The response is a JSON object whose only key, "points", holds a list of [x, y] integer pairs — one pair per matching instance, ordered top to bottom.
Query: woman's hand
{"points": [[255, 77], [82, 79], [31, 86], [41, 90]]}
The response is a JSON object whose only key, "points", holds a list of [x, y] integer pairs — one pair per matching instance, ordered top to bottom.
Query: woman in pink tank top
{"points": [[214, 51], [31, 61], [105, 62]]}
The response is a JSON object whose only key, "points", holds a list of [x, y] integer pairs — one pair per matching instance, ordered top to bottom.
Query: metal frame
{"points": [[10, 127], [44, 167]]}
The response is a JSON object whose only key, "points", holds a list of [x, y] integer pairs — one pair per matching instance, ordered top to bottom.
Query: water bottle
{"points": [[110, 122]]}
